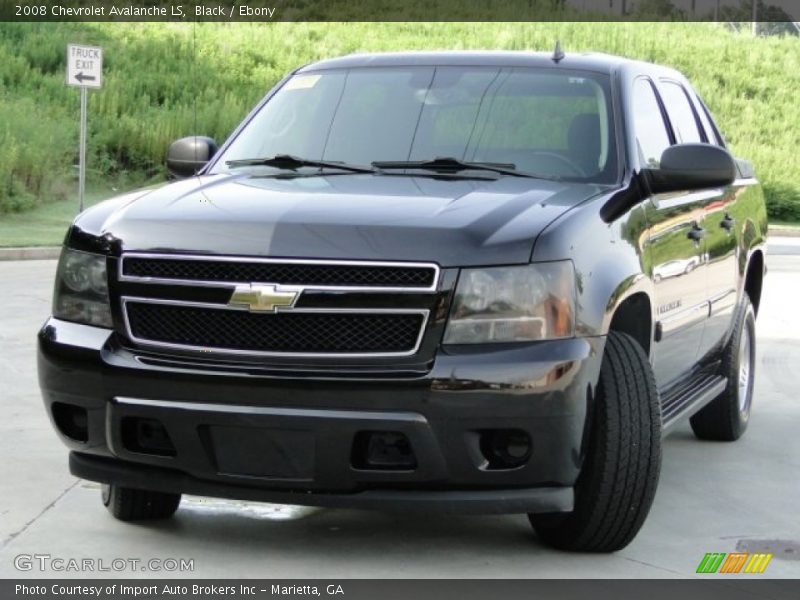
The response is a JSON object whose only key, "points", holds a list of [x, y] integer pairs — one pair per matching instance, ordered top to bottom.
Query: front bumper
{"points": [[288, 436]]}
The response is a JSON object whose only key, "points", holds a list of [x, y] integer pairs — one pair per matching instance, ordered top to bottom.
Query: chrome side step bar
{"points": [[684, 400]]}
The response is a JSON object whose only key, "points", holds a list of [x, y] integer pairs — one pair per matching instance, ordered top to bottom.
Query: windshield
{"points": [[555, 124]]}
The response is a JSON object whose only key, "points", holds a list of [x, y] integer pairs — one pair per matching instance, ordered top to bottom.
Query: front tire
{"points": [[725, 419], [616, 487], [129, 504]]}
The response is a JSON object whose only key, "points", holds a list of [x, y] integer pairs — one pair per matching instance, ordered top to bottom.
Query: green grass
{"points": [[166, 80], [774, 223], [46, 224]]}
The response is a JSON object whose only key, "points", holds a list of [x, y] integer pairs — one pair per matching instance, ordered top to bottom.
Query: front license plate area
{"points": [[263, 453]]}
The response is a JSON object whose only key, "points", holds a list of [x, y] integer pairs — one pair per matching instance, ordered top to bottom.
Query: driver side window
{"points": [[652, 137]]}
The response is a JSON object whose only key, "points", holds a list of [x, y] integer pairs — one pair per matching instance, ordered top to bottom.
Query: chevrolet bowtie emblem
{"points": [[264, 298]]}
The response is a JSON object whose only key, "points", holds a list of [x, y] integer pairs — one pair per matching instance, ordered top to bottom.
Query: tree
{"points": [[663, 9]]}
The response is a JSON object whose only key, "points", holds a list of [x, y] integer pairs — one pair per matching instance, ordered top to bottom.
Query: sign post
{"points": [[84, 70]]}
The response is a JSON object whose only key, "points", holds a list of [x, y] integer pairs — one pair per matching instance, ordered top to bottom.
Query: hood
{"points": [[455, 222]]}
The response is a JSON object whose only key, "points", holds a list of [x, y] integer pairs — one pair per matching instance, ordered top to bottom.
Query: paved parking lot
{"points": [[712, 497]]}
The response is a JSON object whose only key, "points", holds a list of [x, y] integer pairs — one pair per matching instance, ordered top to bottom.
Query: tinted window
{"points": [[680, 113], [552, 123], [651, 132], [711, 132]]}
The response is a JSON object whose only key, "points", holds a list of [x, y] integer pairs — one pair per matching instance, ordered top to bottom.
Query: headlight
{"points": [[81, 292], [513, 304]]}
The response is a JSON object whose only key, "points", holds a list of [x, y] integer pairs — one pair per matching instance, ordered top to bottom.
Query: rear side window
{"points": [[680, 113], [648, 124], [711, 131]]}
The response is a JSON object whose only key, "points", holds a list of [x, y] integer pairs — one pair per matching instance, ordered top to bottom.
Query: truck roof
{"points": [[589, 61]]}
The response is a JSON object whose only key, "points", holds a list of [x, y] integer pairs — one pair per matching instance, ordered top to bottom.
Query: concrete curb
{"points": [[778, 231], [41, 253]]}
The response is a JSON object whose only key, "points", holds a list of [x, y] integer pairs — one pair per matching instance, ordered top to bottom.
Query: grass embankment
{"points": [[163, 81], [44, 224]]}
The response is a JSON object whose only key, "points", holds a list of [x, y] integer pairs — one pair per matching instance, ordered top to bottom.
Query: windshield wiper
{"points": [[288, 161], [449, 164]]}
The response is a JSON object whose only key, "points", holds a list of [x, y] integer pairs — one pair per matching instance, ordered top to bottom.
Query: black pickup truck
{"points": [[473, 282]]}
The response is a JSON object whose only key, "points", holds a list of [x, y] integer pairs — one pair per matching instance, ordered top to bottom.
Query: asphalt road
{"points": [[713, 497]]}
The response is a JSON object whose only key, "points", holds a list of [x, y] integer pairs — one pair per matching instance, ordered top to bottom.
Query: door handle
{"points": [[727, 223], [696, 233]]}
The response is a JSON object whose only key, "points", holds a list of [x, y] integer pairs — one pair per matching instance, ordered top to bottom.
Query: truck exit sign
{"points": [[84, 66]]}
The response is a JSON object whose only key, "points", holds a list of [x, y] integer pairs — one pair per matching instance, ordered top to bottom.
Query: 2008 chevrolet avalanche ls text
{"points": [[469, 282]]}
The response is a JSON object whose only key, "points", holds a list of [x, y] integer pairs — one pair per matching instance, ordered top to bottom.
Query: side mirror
{"points": [[188, 155], [690, 167]]}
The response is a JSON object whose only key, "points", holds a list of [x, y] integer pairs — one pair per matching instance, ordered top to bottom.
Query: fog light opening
{"points": [[71, 420], [146, 436], [505, 448], [382, 450]]}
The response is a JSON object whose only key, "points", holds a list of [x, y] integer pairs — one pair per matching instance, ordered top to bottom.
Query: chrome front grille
{"points": [[316, 274], [340, 327], [295, 332]]}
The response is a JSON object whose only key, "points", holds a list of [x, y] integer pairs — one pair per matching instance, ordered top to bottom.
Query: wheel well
{"points": [[754, 279], [634, 317]]}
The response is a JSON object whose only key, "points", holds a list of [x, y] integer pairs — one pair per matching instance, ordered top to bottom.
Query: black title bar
{"points": [[400, 10], [707, 588]]}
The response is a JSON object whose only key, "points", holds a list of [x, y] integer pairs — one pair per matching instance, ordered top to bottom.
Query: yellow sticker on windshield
{"points": [[302, 82]]}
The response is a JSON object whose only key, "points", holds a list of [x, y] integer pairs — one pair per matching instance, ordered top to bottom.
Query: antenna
{"points": [[558, 53]]}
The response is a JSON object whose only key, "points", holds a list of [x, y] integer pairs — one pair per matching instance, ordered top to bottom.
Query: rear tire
{"points": [[726, 417], [616, 487], [128, 504]]}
